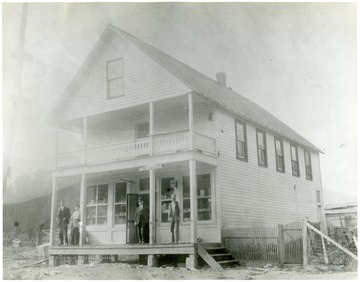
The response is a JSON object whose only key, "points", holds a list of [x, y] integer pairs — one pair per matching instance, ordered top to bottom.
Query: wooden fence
{"points": [[282, 243]]}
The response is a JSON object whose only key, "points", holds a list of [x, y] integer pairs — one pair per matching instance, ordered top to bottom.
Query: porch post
{"points": [[191, 120], [151, 127], [84, 139], [83, 191], [193, 201], [53, 222], [152, 222]]}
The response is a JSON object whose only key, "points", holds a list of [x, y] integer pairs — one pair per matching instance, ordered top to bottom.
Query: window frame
{"points": [[120, 77], [259, 131], [282, 154], [238, 157], [292, 161], [308, 165], [200, 197], [119, 204], [97, 205]]}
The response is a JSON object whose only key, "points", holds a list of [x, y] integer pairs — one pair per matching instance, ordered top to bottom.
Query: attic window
{"points": [[114, 76]]}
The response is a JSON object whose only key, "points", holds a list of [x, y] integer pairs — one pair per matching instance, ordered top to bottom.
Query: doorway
{"points": [[131, 235]]}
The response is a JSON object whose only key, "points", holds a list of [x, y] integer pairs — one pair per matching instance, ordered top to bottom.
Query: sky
{"points": [[296, 60]]}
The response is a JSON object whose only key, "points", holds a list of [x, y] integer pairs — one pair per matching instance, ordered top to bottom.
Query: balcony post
{"points": [[191, 120], [151, 127], [84, 139], [83, 196], [193, 201], [152, 222], [53, 223]]}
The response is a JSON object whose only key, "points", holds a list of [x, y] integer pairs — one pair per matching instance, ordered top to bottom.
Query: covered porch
{"points": [[116, 235]]}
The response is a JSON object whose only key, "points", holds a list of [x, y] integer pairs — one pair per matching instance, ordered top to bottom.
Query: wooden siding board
{"points": [[144, 81], [256, 196]]}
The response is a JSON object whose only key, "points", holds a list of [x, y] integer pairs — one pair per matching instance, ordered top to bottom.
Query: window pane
{"points": [[114, 69], [115, 87], [240, 132], [261, 140], [278, 147], [241, 149], [293, 153], [261, 156], [307, 158], [144, 184], [120, 193], [102, 194], [91, 195], [204, 197], [102, 214], [120, 214], [91, 215]]}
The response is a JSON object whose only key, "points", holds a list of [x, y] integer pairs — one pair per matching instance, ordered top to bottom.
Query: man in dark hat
{"points": [[63, 216]]}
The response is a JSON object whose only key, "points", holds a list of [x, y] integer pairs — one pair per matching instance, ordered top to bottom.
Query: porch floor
{"points": [[129, 249]]}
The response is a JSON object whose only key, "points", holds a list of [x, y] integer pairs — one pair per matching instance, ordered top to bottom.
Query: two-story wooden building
{"points": [[134, 118]]}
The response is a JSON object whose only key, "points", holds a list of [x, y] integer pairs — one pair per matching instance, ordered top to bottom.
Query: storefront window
{"points": [[204, 197], [165, 200], [120, 203], [97, 204]]}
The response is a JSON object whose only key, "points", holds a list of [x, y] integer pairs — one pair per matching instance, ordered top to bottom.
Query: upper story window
{"points": [[114, 76], [241, 143], [261, 147], [279, 154], [294, 160], [308, 169]]}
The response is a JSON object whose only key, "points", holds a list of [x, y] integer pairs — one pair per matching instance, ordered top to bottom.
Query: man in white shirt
{"points": [[174, 219]]}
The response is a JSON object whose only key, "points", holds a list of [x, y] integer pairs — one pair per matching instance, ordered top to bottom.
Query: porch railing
{"points": [[161, 143], [113, 152]]}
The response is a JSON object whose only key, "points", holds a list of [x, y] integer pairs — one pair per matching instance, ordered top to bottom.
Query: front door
{"points": [[145, 198], [131, 236]]}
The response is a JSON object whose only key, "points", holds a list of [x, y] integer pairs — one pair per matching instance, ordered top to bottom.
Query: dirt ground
{"points": [[16, 260]]}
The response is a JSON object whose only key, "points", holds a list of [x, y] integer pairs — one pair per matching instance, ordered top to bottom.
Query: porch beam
{"points": [[191, 120], [151, 127], [84, 139], [127, 164], [193, 201], [152, 222], [53, 223], [82, 228]]}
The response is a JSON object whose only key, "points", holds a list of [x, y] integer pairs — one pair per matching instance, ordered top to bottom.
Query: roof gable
{"points": [[198, 82], [219, 94]]}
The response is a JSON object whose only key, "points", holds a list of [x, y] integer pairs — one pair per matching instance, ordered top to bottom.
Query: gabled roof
{"points": [[200, 83], [218, 93]]}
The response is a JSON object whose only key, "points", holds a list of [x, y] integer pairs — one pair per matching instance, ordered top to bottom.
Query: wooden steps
{"points": [[216, 255]]}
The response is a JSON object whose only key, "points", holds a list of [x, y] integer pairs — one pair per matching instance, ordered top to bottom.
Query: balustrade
{"points": [[161, 143]]}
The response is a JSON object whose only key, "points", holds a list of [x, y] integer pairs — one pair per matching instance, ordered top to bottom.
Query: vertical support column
{"points": [[191, 120], [151, 127], [84, 139], [193, 201], [83, 209], [53, 222], [152, 222], [305, 244], [281, 245]]}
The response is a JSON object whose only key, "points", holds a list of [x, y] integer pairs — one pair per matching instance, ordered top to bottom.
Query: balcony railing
{"points": [[161, 144]]}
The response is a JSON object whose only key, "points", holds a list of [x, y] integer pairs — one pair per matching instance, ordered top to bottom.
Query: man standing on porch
{"points": [[63, 216], [174, 218]]}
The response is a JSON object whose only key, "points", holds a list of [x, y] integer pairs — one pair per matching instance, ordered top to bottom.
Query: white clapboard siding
{"points": [[144, 81], [256, 196]]}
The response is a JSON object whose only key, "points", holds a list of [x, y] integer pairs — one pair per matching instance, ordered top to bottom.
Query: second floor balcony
{"points": [[165, 127], [163, 143]]}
